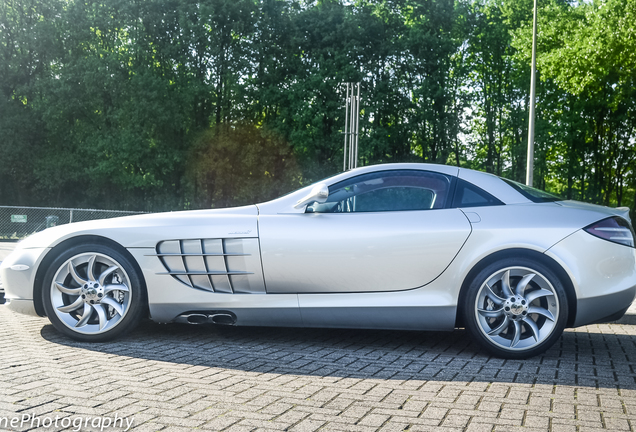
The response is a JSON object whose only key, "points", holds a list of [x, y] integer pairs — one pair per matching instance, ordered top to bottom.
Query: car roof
{"points": [[488, 182]]}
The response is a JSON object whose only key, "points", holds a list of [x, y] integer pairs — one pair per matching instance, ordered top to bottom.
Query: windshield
{"points": [[307, 185], [531, 193]]}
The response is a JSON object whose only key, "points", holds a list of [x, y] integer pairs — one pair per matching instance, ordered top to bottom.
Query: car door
{"points": [[382, 231]]}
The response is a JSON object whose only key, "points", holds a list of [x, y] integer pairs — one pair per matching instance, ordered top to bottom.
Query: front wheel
{"points": [[93, 293], [516, 308]]}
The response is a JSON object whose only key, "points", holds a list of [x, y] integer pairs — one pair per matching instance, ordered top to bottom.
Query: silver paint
{"points": [[358, 252]]}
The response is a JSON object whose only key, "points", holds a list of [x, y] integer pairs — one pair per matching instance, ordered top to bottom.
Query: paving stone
{"points": [[177, 378], [308, 426]]}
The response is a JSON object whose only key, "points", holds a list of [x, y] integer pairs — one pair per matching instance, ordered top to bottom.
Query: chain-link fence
{"points": [[19, 222]]}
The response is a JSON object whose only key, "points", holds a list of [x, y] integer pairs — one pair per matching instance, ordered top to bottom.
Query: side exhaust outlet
{"points": [[218, 318], [197, 319], [223, 319]]}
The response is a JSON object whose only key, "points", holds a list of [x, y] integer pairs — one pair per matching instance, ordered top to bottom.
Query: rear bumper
{"points": [[603, 275], [603, 309]]}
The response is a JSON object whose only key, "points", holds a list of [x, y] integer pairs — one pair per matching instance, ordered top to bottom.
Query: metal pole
{"points": [[352, 124], [351, 128], [346, 136], [355, 160], [530, 163], [352, 164]]}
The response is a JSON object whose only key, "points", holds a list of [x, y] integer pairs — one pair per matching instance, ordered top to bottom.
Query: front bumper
{"points": [[17, 273], [603, 274], [25, 307]]}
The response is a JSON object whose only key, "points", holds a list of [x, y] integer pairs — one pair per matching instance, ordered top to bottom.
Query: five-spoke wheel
{"points": [[92, 293], [516, 308]]}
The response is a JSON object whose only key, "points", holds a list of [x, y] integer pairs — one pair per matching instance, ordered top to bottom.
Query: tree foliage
{"points": [[171, 104]]}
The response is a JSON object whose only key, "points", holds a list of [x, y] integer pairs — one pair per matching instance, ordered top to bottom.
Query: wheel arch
{"points": [[68, 243], [521, 253]]}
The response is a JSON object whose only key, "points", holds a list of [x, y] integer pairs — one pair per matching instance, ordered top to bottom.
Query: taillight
{"points": [[614, 229]]}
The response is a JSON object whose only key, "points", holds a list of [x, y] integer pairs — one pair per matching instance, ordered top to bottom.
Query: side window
{"points": [[399, 190], [469, 195], [398, 198]]}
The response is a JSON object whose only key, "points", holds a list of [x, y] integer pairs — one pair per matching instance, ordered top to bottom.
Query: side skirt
{"points": [[387, 318]]}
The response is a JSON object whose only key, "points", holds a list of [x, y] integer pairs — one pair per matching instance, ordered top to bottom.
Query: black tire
{"points": [[105, 310], [505, 328]]}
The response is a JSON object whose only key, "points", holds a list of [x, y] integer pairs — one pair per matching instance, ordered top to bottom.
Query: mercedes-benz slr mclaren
{"points": [[399, 246]]}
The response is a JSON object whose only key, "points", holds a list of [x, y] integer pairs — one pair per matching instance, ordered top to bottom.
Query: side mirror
{"points": [[319, 193]]}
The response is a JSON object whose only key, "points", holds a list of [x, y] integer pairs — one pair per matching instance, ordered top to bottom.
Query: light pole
{"points": [[533, 84]]}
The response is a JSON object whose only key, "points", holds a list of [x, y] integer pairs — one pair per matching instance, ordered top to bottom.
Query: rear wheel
{"points": [[93, 293], [516, 308]]}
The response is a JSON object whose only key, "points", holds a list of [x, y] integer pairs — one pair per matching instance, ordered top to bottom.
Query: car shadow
{"points": [[588, 358]]}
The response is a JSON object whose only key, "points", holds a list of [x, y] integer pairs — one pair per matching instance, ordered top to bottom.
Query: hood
{"points": [[147, 230]]}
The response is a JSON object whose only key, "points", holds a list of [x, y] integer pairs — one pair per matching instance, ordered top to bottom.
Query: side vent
{"points": [[229, 265]]}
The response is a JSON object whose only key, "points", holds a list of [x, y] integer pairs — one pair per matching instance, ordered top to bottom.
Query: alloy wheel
{"points": [[90, 293], [517, 308]]}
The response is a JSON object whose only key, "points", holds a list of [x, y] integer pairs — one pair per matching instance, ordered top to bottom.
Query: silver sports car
{"points": [[399, 246]]}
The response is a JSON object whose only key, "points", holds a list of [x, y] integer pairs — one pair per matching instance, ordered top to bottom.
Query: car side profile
{"points": [[393, 246]]}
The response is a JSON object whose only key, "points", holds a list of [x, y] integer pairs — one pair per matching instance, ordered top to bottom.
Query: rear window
{"points": [[531, 193], [469, 195]]}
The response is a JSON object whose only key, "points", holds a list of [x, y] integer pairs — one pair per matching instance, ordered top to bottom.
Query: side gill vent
{"points": [[229, 265]]}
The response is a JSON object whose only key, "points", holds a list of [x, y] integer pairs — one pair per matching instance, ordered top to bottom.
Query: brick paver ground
{"points": [[180, 377]]}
